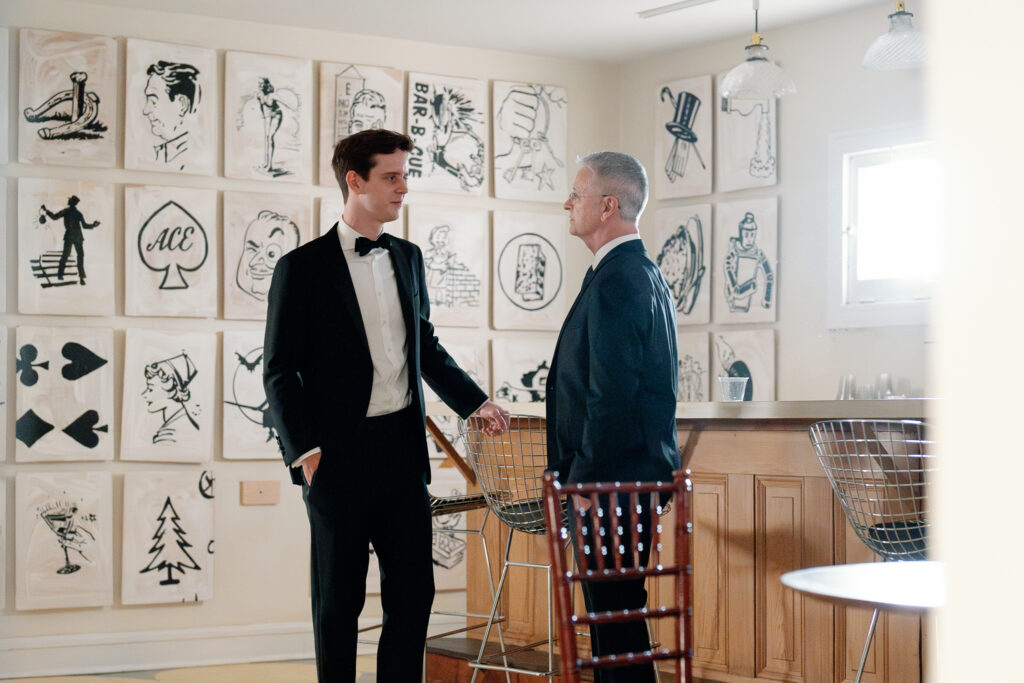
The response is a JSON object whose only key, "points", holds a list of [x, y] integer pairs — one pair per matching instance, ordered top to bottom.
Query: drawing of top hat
{"points": [[686, 106]]}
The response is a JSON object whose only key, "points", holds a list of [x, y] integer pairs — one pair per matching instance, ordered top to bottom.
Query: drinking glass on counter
{"points": [[733, 388]]}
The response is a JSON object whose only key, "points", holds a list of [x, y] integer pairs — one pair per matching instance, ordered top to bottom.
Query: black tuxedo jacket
{"points": [[317, 370], [611, 390]]}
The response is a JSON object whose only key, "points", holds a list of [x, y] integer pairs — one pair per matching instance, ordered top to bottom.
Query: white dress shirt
{"points": [[608, 246], [373, 278]]}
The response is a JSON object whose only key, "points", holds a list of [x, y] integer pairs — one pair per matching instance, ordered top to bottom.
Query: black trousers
{"points": [[79, 252], [372, 490], [608, 639]]}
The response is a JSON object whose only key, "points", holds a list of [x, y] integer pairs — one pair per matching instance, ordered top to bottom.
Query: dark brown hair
{"points": [[356, 152]]}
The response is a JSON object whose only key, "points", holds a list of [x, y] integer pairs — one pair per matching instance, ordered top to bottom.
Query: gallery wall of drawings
{"points": [[156, 170]]}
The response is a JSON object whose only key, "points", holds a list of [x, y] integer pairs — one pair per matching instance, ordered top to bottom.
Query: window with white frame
{"points": [[883, 256]]}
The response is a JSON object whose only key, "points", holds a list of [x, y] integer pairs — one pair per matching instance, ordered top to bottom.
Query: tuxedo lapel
{"points": [[341, 278], [403, 278]]}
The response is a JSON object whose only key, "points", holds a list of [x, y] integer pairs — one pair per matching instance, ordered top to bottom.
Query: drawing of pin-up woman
{"points": [[274, 103], [167, 392]]}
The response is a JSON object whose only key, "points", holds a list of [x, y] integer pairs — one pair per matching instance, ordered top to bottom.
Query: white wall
{"points": [[834, 94], [262, 552]]}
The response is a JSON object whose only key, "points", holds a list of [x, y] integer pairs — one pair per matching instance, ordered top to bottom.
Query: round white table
{"points": [[888, 585]]}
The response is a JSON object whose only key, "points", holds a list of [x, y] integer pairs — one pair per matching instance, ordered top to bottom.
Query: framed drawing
{"points": [[67, 90], [355, 97], [170, 103], [268, 117], [448, 126], [530, 141], [746, 141], [683, 159], [259, 228], [453, 242], [65, 247], [682, 250], [170, 251], [746, 261], [529, 279], [745, 354], [471, 357], [694, 367], [521, 369], [169, 380], [65, 394], [248, 431], [63, 540], [448, 550], [167, 551]]}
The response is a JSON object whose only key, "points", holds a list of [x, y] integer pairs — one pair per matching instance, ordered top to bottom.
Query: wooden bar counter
{"points": [[762, 506]]}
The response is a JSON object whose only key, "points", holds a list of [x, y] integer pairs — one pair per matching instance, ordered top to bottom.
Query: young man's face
{"points": [[382, 194]]}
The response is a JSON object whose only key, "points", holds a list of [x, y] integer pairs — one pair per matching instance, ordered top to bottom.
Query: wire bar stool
{"points": [[510, 470], [879, 470]]}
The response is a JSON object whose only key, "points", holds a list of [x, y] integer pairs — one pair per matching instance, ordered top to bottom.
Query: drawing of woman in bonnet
{"points": [[167, 392]]}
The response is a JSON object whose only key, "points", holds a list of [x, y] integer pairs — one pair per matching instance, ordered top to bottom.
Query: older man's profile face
{"points": [[166, 116], [365, 116]]}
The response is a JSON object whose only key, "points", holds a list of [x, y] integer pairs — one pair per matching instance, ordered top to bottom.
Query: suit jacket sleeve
{"points": [[619, 318], [286, 338], [439, 369]]}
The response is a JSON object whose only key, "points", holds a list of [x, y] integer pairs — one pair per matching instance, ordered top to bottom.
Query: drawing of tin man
{"points": [[742, 264], [167, 392]]}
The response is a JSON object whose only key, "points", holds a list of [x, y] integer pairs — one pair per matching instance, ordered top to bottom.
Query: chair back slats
{"points": [[879, 471], [613, 526]]}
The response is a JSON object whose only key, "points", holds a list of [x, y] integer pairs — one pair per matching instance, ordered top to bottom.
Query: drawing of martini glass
{"points": [[60, 518]]}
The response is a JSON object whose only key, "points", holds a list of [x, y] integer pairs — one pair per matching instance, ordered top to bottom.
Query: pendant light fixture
{"points": [[901, 48], [756, 78]]}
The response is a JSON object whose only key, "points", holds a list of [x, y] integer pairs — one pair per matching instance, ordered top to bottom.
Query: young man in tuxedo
{"points": [[348, 340], [611, 390]]}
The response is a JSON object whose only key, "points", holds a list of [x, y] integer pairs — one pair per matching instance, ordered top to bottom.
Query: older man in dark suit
{"points": [[348, 338], [611, 391]]}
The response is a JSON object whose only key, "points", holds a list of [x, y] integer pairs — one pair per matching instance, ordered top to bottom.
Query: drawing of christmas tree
{"points": [[176, 558]]}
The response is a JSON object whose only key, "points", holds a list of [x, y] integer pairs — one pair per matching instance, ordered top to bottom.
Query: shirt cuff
{"points": [[298, 461]]}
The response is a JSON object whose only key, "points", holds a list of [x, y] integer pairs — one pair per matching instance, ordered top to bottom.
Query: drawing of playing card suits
{"points": [[170, 251], [65, 394], [168, 411], [63, 540], [168, 549]]}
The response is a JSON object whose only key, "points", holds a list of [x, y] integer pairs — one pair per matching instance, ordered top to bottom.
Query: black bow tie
{"points": [[364, 245]]}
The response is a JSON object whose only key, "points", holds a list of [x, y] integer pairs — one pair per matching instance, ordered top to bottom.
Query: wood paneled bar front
{"points": [[762, 506]]}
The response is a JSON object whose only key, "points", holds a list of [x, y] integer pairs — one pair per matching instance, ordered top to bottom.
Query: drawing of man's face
{"points": [[171, 95], [368, 111], [748, 237], [267, 238]]}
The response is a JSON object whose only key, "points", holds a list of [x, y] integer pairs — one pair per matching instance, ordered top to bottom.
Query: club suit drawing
{"points": [[370, 483]]}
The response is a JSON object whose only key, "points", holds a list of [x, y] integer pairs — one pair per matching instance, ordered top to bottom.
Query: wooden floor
{"points": [[267, 672]]}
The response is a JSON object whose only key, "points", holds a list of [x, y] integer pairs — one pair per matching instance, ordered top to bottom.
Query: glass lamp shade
{"points": [[901, 48], [757, 78]]}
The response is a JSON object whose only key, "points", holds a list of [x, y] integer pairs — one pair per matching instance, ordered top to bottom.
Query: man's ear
{"points": [[182, 104], [354, 182], [608, 209]]}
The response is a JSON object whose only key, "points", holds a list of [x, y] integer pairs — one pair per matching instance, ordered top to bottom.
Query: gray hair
{"points": [[621, 176]]}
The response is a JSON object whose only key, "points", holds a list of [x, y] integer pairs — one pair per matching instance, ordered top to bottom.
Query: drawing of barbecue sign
{"points": [[173, 242]]}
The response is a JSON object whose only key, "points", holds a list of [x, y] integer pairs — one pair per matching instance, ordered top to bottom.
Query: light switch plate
{"points": [[261, 492]]}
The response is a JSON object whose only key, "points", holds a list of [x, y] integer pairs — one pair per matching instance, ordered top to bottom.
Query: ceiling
{"points": [[597, 30]]}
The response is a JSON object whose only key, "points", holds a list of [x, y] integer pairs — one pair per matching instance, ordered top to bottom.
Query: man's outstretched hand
{"points": [[496, 416]]}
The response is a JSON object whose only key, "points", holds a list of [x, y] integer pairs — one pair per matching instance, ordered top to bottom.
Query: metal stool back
{"points": [[510, 469], [879, 470]]}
